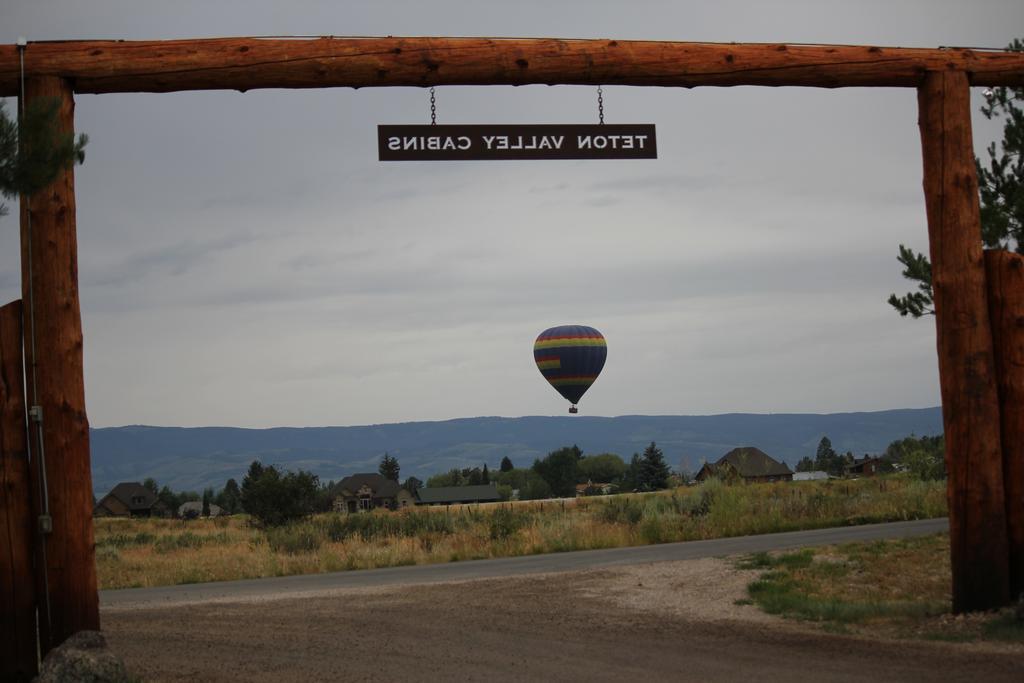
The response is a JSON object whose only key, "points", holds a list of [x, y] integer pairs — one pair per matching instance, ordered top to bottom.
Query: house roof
{"points": [[753, 462], [859, 464], [381, 486], [457, 494], [134, 495]]}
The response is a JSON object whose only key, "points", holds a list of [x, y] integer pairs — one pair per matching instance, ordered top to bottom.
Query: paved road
{"points": [[169, 596]]}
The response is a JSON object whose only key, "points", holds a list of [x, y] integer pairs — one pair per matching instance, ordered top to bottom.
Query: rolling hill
{"points": [[191, 458]]}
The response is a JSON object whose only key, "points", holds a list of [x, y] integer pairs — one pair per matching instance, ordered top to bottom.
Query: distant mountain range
{"points": [[192, 458]]}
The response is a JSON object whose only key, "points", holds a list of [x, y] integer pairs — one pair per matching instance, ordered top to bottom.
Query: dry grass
{"points": [[154, 552]]}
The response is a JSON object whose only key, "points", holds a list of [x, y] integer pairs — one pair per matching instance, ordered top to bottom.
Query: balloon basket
{"points": [[572, 409]]}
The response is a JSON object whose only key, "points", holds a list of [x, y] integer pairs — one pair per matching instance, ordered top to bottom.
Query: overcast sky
{"points": [[245, 260]]}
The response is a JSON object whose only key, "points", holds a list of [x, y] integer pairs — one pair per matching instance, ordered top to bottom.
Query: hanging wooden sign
{"points": [[490, 141]]}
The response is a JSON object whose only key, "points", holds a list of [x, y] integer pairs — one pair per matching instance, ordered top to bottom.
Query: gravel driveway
{"points": [[659, 621]]}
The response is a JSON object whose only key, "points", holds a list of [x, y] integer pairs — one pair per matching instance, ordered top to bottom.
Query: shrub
{"points": [[274, 499], [700, 504], [622, 510], [505, 523], [369, 526], [335, 528], [652, 531], [294, 539], [120, 541], [172, 542], [107, 553]]}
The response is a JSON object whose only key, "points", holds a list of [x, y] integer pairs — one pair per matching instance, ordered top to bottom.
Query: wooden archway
{"points": [[982, 439]]}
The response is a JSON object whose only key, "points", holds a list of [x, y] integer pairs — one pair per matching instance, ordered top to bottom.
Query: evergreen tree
{"points": [[31, 158], [1001, 193], [918, 268], [824, 450], [827, 460], [506, 464], [805, 465], [389, 468], [654, 470], [485, 476], [631, 478], [249, 482], [150, 484], [412, 485], [207, 494], [230, 497], [169, 499]]}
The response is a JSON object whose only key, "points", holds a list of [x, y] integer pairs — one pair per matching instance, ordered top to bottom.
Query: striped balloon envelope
{"points": [[570, 357]]}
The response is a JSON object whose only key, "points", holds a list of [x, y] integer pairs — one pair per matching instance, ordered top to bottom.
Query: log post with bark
{"points": [[1005, 273], [55, 390], [970, 401], [17, 594]]}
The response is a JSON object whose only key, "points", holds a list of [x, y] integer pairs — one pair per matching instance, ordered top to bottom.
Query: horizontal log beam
{"points": [[248, 63]]}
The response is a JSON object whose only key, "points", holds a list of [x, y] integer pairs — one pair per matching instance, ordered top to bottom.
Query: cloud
{"points": [[173, 259]]}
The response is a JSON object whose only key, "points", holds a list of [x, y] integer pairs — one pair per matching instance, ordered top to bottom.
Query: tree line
{"points": [[922, 457], [558, 473], [273, 496]]}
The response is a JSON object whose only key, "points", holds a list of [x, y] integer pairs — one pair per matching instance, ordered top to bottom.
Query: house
{"points": [[747, 464], [868, 466], [365, 492], [457, 495], [130, 499], [194, 508]]}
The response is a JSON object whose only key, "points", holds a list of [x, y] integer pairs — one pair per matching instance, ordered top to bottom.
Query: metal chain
{"points": [[600, 106], [433, 107]]}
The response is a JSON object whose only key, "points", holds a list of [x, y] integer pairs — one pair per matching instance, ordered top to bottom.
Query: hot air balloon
{"points": [[570, 357]]}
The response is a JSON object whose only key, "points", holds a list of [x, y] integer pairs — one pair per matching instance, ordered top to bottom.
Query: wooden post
{"points": [[1005, 273], [55, 383], [970, 403], [17, 595]]}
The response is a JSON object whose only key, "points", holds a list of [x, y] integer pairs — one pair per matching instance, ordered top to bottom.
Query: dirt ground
{"points": [[663, 621]]}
